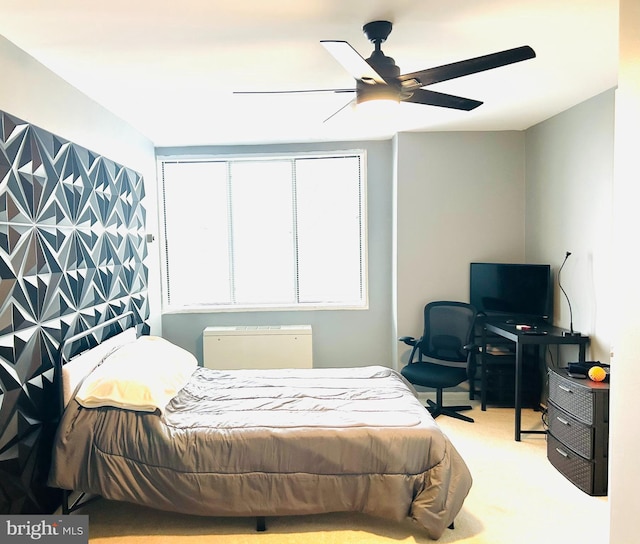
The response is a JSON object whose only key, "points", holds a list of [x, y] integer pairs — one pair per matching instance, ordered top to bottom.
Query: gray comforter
{"points": [[266, 443]]}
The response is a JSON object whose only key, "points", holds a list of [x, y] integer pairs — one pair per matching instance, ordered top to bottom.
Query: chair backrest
{"points": [[448, 327]]}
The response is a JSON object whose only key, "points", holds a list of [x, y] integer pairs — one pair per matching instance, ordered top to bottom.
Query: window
{"points": [[264, 232]]}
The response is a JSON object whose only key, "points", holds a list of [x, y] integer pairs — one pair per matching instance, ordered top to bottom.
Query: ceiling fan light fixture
{"points": [[366, 92], [377, 97], [377, 109]]}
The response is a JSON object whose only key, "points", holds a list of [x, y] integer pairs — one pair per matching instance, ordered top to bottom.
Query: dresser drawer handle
{"points": [[565, 388], [563, 420], [563, 453]]}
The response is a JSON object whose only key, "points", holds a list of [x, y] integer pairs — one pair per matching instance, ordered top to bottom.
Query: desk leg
{"points": [[582, 353], [483, 372], [518, 387]]}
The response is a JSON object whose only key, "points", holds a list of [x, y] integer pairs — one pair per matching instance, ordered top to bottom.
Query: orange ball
{"points": [[597, 373]]}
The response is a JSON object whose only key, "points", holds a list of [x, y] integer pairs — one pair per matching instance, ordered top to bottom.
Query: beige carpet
{"points": [[517, 498]]}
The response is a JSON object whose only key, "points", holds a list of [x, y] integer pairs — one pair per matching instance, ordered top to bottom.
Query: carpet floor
{"points": [[517, 497]]}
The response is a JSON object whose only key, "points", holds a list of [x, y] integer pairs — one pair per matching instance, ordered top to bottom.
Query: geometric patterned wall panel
{"points": [[72, 252]]}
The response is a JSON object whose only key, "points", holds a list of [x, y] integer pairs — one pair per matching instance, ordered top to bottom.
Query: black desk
{"points": [[554, 336]]}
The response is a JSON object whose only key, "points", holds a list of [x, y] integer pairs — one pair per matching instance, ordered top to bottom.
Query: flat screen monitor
{"points": [[522, 291]]}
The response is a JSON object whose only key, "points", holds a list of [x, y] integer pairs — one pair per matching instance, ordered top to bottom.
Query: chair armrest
{"points": [[409, 340]]}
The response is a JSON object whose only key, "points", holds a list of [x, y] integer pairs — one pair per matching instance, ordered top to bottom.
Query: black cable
{"points": [[565, 293], [544, 418]]}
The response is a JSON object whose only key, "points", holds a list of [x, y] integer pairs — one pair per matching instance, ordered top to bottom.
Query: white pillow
{"points": [[81, 365], [143, 375]]}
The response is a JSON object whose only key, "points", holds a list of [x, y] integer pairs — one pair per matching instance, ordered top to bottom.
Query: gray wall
{"points": [[569, 176], [459, 198], [340, 337]]}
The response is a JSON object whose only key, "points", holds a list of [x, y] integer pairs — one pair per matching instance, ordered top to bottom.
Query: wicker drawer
{"points": [[572, 397], [571, 432], [575, 468]]}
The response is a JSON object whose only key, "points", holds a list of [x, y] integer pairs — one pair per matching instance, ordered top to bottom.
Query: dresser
{"points": [[578, 436]]}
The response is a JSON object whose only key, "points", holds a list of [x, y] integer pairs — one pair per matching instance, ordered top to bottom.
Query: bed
{"points": [[143, 423]]}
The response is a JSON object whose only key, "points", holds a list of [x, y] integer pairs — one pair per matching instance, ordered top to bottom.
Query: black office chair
{"points": [[445, 354]]}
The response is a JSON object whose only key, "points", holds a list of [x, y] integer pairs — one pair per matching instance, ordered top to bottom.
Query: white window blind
{"points": [[265, 232]]}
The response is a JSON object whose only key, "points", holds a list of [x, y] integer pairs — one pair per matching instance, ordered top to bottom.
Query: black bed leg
{"points": [[65, 502], [261, 524]]}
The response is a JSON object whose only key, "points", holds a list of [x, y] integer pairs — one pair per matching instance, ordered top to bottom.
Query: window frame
{"points": [[168, 308]]}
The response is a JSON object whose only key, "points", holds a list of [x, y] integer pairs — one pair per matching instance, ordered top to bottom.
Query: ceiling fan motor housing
{"points": [[377, 31], [385, 66]]}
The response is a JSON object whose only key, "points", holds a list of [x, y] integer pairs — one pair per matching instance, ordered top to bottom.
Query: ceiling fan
{"points": [[379, 78]]}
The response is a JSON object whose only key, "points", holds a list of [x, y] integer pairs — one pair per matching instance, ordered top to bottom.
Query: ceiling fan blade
{"points": [[352, 61], [466, 67], [298, 91], [432, 98], [350, 103]]}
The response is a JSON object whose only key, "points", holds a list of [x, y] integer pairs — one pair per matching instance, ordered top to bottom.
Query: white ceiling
{"points": [[169, 68]]}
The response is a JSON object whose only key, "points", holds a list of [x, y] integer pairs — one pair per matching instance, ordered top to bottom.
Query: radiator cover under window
{"points": [[280, 346]]}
